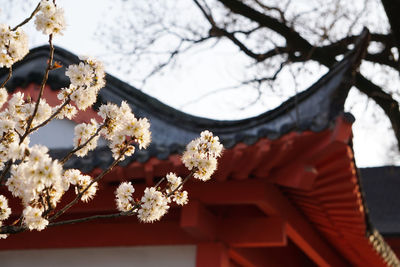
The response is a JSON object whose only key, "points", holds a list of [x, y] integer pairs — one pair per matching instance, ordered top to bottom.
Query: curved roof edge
{"points": [[133, 95], [313, 109]]}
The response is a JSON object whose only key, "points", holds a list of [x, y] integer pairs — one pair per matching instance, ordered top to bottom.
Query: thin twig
{"points": [[27, 19], [8, 77], [43, 84], [51, 117], [29, 123], [69, 155], [159, 182], [181, 185], [78, 197], [91, 218], [14, 229]]}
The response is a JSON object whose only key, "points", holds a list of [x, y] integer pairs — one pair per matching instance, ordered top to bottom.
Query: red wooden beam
{"points": [[342, 131], [256, 154], [276, 154], [240, 160], [224, 166], [149, 171], [298, 175], [269, 199], [198, 221], [125, 231], [300, 231], [236, 232], [253, 232], [212, 255], [289, 255], [251, 257]]}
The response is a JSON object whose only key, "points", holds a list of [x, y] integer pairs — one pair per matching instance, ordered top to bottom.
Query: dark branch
{"points": [[392, 8], [293, 38]]}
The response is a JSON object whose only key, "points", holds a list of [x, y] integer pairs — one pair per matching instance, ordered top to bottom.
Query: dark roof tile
{"points": [[313, 109]]}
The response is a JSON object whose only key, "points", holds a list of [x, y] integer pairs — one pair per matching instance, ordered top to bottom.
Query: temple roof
{"points": [[313, 109], [294, 162]]}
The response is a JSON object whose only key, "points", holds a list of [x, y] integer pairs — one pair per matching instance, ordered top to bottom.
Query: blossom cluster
{"points": [[50, 19], [13, 45], [87, 78], [14, 124], [122, 128], [85, 133], [201, 155], [37, 181], [40, 181], [83, 184], [174, 189], [124, 199], [154, 202], [5, 212], [33, 218]]}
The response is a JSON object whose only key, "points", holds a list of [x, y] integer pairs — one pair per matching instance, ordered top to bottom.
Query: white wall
{"points": [[149, 256]]}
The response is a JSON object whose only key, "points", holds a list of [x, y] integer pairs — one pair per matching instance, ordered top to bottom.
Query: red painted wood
{"points": [[342, 131], [241, 151], [224, 166], [298, 175], [269, 199], [324, 212], [198, 221], [115, 232], [253, 232], [394, 243], [212, 255], [289, 256], [250, 257]]}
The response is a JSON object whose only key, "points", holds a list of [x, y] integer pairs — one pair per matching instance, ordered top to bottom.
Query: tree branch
{"points": [[392, 8], [293, 38], [8, 77]]}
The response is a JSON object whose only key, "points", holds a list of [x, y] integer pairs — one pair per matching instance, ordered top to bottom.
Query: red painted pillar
{"points": [[212, 255]]}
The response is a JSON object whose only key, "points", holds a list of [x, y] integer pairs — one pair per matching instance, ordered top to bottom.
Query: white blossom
{"points": [[50, 19], [13, 45], [87, 78], [3, 96], [44, 111], [68, 111], [122, 127], [83, 132], [201, 155], [35, 177], [173, 180], [81, 182], [85, 184], [123, 196], [180, 197], [154, 205], [5, 211], [33, 218]]}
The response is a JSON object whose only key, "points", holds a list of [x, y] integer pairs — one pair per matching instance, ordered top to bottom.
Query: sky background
{"points": [[201, 72]]}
